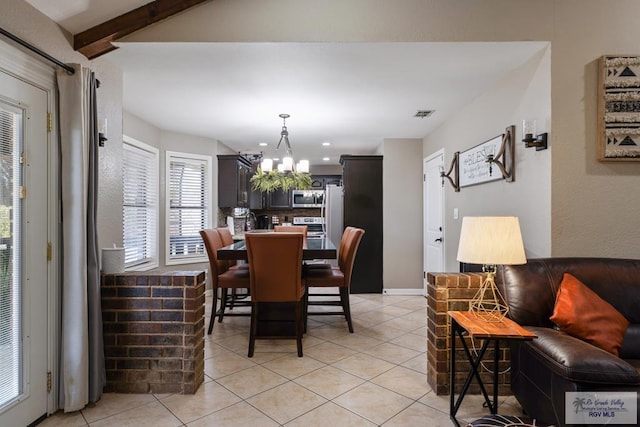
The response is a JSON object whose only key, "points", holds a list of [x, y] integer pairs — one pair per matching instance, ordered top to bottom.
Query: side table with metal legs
{"points": [[466, 323]]}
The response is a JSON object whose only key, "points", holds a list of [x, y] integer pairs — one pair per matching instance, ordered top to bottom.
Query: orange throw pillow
{"points": [[580, 312]]}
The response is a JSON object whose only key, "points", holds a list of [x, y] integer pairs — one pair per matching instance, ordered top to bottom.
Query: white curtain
{"points": [[82, 373]]}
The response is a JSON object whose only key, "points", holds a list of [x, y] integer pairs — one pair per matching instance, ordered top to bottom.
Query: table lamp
{"points": [[490, 241]]}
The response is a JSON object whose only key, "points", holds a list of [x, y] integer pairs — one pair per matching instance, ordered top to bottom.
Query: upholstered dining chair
{"points": [[291, 229], [296, 229], [227, 239], [325, 265], [275, 266], [339, 276], [222, 277], [236, 297]]}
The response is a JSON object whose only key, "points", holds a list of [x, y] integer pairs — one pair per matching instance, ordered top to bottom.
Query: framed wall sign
{"points": [[619, 108], [474, 169]]}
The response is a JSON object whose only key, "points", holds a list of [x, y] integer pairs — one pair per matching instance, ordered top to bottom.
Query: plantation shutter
{"points": [[188, 187], [140, 204]]}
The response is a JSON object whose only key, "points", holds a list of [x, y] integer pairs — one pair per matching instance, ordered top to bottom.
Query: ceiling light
{"points": [[263, 144], [326, 144], [326, 159], [287, 165], [286, 175]]}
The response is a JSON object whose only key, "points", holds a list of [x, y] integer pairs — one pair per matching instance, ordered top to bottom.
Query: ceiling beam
{"points": [[96, 41]]}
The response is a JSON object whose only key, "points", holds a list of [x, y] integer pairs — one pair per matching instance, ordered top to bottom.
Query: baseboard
{"points": [[396, 292], [403, 292]]}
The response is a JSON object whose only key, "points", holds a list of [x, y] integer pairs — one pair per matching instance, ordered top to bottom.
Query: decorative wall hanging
{"points": [[619, 108], [505, 158], [490, 161], [455, 170]]}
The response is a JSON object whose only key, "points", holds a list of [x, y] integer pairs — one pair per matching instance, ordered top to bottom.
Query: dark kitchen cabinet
{"points": [[234, 174], [332, 180], [319, 182], [362, 185], [256, 198], [279, 199], [276, 200]]}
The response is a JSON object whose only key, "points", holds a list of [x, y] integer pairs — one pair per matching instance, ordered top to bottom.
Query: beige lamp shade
{"points": [[491, 240]]}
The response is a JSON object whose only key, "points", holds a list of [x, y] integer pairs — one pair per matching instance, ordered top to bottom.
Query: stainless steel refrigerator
{"points": [[333, 212]]}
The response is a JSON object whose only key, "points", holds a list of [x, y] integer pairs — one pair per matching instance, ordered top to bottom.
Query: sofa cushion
{"points": [[580, 312], [579, 361]]}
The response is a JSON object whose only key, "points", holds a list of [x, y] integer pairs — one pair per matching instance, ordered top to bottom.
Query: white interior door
{"points": [[433, 218], [23, 251]]}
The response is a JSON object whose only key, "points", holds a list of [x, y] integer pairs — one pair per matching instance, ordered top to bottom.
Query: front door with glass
{"points": [[23, 251]]}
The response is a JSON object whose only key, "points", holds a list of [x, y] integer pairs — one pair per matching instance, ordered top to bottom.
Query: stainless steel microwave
{"points": [[307, 198]]}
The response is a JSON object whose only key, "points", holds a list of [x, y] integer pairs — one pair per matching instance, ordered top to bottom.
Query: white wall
{"points": [[524, 93], [136, 128], [326, 169], [402, 213]]}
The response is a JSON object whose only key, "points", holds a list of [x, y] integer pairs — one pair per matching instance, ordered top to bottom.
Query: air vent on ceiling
{"points": [[424, 113]]}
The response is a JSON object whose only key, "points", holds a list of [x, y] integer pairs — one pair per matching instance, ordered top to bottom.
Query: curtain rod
{"points": [[34, 49]]}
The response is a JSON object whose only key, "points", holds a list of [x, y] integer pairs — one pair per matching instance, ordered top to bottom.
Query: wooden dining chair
{"points": [[275, 266], [222, 277], [339, 277]]}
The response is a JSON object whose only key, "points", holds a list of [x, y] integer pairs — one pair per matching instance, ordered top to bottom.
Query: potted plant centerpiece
{"points": [[268, 181]]}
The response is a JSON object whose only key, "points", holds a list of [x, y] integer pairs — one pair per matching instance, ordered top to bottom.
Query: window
{"points": [[188, 192], [140, 204], [11, 297]]}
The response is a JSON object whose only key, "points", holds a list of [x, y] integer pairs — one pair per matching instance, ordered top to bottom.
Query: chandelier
{"points": [[287, 164], [287, 174]]}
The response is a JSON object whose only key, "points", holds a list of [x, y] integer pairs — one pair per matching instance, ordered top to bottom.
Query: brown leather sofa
{"points": [[544, 369]]}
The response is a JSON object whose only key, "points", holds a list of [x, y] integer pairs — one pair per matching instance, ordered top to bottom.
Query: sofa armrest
{"points": [[631, 344], [580, 361]]}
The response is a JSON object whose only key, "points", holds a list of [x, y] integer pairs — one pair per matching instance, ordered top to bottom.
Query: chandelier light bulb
{"points": [[528, 128], [287, 163], [266, 165], [303, 166]]}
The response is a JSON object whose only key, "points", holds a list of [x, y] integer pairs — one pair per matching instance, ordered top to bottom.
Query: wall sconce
{"points": [[528, 130], [102, 132], [505, 158]]}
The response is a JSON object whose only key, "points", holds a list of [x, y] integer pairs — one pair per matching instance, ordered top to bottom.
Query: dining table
{"points": [[313, 248], [277, 319]]}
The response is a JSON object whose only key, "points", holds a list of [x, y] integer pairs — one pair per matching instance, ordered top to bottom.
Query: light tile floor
{"points": [[374, 377]]}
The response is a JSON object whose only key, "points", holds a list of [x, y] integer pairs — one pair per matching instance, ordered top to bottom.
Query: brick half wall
{"points": [[453, 292], [154, 331]]}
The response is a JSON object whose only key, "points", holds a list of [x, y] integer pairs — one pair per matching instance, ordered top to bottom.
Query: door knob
{"points": [[439, 239]]}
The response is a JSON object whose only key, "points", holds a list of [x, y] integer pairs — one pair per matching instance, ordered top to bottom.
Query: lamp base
{"points": [[487, 304]]}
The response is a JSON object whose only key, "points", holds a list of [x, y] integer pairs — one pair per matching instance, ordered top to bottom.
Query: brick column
{"points": [[452, 292], [154, 331]]}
